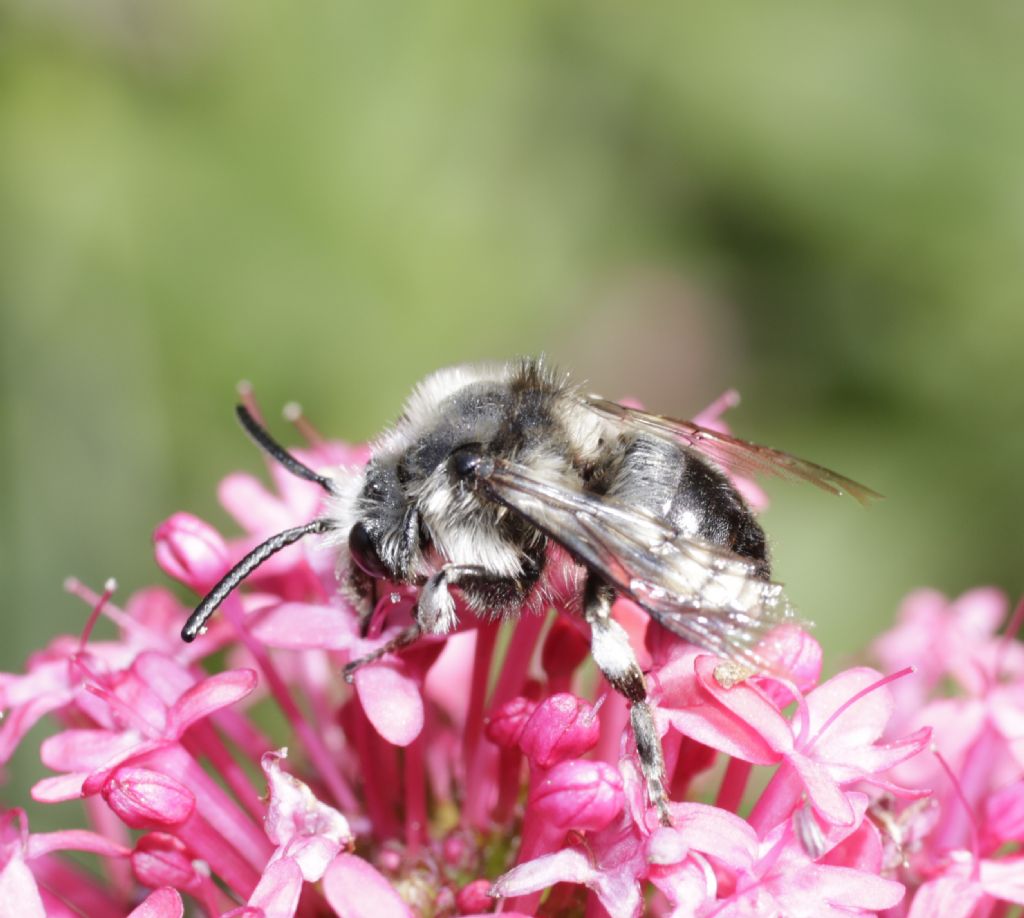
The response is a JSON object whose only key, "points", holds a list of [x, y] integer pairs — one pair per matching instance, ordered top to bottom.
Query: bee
{"points": [[490, 468]]}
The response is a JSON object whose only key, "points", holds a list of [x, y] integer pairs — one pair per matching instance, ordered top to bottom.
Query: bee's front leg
{"points": [[434, 614], [403, 639], [609, 645]]}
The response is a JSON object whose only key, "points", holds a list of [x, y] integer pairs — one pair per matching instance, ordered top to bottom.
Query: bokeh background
{"points": [[819, 204]]}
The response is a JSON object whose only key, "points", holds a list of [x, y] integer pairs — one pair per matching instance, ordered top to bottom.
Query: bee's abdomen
{"points": [[697, 500], [725, 518]]}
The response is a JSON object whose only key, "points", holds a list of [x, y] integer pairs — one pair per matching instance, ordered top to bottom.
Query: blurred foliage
{"points": [[820, 204]]}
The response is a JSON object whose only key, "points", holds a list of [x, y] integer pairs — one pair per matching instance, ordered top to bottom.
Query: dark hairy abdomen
{"points": [[673, 483]]}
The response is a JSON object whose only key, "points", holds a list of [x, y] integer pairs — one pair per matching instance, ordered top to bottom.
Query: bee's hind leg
{"points": [[609, 645]]}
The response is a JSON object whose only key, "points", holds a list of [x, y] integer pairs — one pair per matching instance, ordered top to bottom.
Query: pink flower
{"points": [[191, 551], [956, 639], [137, 723], [562, 726], [831, 743], [493, 764], [576, 794], [146, 799], [306, 831], [23, 855], [161, 860], [681, 861], [612, 865], [783, 881], [964, 885]]}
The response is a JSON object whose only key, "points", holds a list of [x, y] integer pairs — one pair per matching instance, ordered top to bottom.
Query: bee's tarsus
{"points": [[400, 640]]}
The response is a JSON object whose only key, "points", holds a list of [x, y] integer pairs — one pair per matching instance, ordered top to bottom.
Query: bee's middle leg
{"points": [[609, 645]]}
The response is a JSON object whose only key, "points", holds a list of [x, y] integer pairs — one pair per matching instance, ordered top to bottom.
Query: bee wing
{"points": [[738, 456], [701, 592]]}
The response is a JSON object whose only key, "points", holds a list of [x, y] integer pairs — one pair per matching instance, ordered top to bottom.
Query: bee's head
{"points": [[383, 540]]}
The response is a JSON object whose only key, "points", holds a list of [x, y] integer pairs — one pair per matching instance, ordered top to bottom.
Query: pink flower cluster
{"points": [[496, 769]]}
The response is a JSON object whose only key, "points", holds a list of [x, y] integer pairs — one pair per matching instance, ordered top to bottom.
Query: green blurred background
{"points": [[822, 205]]}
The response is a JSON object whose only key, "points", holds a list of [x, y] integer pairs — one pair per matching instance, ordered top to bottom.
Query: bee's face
{"points": [[383, 541]]}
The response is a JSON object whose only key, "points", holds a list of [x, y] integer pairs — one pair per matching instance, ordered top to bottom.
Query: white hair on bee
{"points": [[431, 395], [342, 507], [460, 527]]}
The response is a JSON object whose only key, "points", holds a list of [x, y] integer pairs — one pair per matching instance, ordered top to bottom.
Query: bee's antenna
{"points": [[276, 451], [246, 566]]}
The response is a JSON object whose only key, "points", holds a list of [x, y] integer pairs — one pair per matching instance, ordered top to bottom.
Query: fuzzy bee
{"points": [[489, 465]]}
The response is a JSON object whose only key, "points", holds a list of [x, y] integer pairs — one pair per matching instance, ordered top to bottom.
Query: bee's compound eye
{"points": [[463, 462], [364, 552]]}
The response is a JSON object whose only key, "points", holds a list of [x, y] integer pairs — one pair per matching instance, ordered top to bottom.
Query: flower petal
{"points": [[252, 505], [979, 612], [305, 626], [212, 694], [392, 702], [747, 703], [19, 720], [858, 725], [717, 728], [85, 750], [874, 760], [59, 788], [826, 796], [311, 832], [716, 833], [40, 843], [566, 866], [1004, 879], [355, 889], [852, 889], [278, 890], [19, 894], [948, 896], [161, 903]]}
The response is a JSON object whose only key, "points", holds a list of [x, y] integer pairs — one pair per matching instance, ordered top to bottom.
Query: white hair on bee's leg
{"points": [[435, 608], [611, 650]]}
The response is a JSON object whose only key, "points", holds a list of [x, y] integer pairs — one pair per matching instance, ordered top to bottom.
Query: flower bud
{"points": [[191, 551], [505, 725], [562, 727], [579, 794], [146, 799], [458, 849], [162, 860], [390, 860], [474, 898]]}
